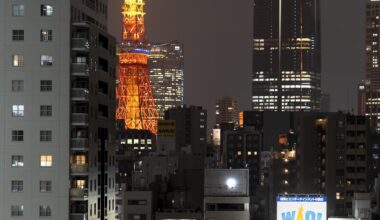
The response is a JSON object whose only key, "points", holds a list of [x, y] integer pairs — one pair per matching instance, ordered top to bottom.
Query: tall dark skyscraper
{"points": [[286, 55], [369, 93]]}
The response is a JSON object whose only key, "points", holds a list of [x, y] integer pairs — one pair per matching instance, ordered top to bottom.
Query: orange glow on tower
{"points": [[136, 104]]}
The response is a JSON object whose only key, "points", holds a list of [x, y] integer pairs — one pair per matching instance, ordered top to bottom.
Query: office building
{"points": [[286, 56], [166, 72], [57, 74], [369, 90], [226, 111], [190, 127], [340, 145], [241, 149], [226, 194], [138, 205]]}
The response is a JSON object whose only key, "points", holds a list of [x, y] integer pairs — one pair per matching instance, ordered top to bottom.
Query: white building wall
{"points": [[31, 97], [227, 215]]}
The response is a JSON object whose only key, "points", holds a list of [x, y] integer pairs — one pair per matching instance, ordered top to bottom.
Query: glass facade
{"points": [[286, 56], [166, 66]]}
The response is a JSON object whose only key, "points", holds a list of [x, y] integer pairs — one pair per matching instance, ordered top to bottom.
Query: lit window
{"points": [[18, 10], [47, 10], [17, 35], [46, 35], [17, 60], [46, 60], [17, 85], [46, 85], [18, 110], [46, 110], [17, 135], [45, 136], [129, 141], [135, 141], [142, 141], [149, 141], [239, 153], [249, 153], [80, 159], [46, 160], [17, 161], [286, 170], [286, 182], [80, 184], [17, 186], [45, 186], [337, 195], [17, 210], [45, 211]]}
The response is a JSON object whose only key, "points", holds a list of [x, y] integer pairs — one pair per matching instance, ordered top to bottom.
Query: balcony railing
{"points": [[81, 44], [80, 69], [80, 94], [79, 119], [79, 144], [79, 168], [78, 194], [79, 216]]}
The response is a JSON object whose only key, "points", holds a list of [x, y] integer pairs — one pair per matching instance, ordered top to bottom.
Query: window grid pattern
{"points": [[17, 35], [46, 110], [17, 135], [46, 135], [17, 161], [17, 186]]}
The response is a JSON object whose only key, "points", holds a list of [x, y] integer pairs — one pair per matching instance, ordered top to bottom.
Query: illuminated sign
{"points": [[301, 208]]}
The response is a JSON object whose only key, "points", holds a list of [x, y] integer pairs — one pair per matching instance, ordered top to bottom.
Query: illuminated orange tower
{"points": [[136, 104]]}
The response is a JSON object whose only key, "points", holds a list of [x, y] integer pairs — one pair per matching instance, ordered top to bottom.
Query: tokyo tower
{"points": [[136, 104]]}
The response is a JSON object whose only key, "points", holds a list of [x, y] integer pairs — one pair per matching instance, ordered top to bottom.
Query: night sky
{"points": [[218, 46]]}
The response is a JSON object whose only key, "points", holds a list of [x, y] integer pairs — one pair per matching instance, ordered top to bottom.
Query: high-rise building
{"points": [[286, 55], [166, 66], [57, 73], [369, 91], [136, 105], [226, 111], [190, 127], [338, 145], [329, 153]]}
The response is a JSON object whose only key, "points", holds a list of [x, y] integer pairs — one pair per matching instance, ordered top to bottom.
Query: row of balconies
{"points": [[80, 44], [80, 94], [79, 169], [78, 194], [78, 216]]}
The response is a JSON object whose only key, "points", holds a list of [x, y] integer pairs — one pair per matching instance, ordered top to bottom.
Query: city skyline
{"points": [[340, 64], [95, 125]]}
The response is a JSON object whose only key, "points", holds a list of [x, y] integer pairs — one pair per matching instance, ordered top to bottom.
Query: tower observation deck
{"points": [[136, 105]]}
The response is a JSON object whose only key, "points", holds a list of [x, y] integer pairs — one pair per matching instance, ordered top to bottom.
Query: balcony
{"points": [[80, 44], [80, 69], [80, 94], [79, 119], [80, 144], [79, 169], [78, 194], [78, 216]]}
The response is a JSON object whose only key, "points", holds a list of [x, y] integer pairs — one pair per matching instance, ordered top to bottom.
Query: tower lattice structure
{"points": [[136, 105]]}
